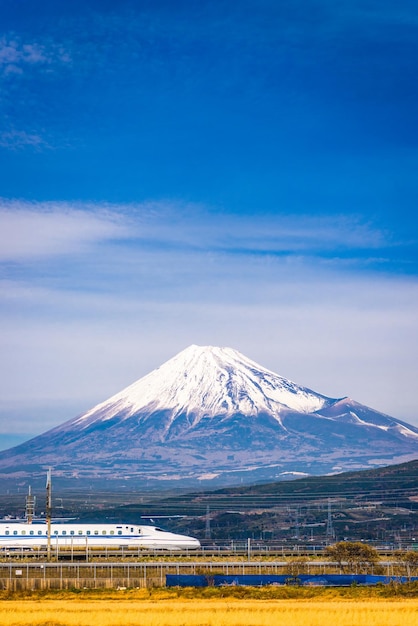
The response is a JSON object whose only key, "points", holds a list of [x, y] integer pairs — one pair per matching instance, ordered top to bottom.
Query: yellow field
{"points": [[216, 612]]}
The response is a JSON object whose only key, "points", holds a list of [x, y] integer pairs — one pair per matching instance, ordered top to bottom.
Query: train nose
{"points": [[193, 543]]}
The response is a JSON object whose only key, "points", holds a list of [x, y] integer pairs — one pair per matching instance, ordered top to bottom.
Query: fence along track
{"points": [[43, 576]]}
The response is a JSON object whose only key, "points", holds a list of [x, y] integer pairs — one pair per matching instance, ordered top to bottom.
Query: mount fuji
{"points": [[211, 414]]}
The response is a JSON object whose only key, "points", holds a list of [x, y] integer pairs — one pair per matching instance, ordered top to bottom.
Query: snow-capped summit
{"points": [[208, 381], [211, 413]]}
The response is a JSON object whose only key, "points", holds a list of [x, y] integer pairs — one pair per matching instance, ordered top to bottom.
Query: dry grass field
{"points": [[207, 612]]}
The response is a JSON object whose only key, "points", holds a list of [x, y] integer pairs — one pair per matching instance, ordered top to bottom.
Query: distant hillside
{"points": [[394, 481], [391, 484]]}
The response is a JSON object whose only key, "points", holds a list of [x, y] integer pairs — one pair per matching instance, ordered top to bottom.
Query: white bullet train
{"points": [[35, 535]]}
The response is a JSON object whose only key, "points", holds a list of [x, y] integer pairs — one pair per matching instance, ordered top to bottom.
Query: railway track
{"points": [[236, 550]]}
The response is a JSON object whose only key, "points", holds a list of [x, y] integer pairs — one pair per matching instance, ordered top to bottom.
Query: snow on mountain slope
{"points": [[208, 381], [351, 411]]}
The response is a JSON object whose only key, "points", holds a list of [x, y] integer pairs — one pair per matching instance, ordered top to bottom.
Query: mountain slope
{"points": [[212, 413]]}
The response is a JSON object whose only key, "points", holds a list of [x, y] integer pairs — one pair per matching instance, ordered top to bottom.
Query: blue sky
{"points": [[224, 173]]}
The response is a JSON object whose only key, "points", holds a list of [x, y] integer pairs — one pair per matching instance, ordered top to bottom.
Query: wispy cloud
{"points": [[17, 56], [22, 66], [16, 139], [39, 230]]}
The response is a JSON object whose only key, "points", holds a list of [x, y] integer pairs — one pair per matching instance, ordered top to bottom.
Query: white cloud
{"points": [[29, 230]]}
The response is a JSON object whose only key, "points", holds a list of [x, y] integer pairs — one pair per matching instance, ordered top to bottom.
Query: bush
{"points": [[353, 557]]}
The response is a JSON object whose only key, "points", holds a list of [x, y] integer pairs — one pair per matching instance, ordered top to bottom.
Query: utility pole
{"points": [[30, 506], [48, 513], [207, 526], [330, 530], [297, 535]]}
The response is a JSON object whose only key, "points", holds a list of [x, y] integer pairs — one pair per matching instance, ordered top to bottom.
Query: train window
{"points": [[132, 530], [160, 530], [7, 532], [15, 532], [23, 532], [32, 532], [39, 532], [55, 532], [64, 532], [72, 532], [80, 532], [88, 532], [96, 532], [103, 532], [112, 532], [119, 532]]}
